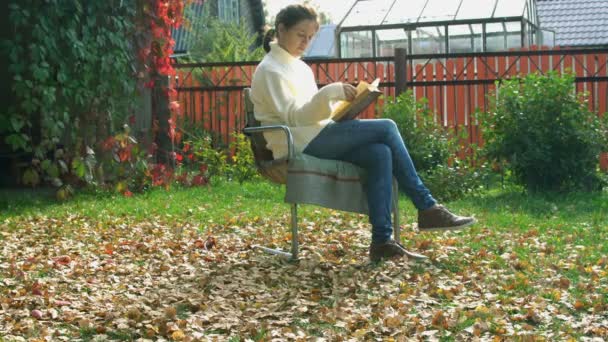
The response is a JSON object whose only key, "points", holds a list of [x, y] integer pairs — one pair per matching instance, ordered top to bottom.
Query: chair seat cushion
{"points": [[327, 183]]}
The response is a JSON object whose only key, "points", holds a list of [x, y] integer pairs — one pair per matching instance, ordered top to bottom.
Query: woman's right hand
{"points": [[349, 91]]}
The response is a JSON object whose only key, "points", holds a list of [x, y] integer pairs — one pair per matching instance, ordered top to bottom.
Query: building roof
{"points": [[575, 22], [181, 35]]}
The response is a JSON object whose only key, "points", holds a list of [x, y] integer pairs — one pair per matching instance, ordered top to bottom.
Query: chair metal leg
{"points": [[396, 223], [294, 231], [294, 238], [273, 251]]}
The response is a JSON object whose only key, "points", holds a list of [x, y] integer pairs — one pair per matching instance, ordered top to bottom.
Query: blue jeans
{"points": [[376, 146]]}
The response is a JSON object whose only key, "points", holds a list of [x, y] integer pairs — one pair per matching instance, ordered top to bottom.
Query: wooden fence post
{"points": [[400, 71], [143, 118]]}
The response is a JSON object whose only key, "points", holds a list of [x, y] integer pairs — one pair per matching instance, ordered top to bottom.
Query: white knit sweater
{"points": [[284, 91]]}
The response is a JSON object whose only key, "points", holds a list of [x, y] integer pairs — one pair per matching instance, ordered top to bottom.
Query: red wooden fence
{"points": [[457, 86]]}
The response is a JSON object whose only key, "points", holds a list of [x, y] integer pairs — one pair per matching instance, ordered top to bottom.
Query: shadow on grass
{"points": [[15, 199], [19, 201]]}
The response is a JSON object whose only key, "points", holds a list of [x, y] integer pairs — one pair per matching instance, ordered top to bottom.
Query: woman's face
{"points": [[295, 40]]}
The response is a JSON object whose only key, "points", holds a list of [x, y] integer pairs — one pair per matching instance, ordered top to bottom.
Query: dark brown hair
{"points": [[289, 17]]}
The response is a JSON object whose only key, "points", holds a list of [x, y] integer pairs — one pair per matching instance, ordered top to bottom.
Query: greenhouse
{"points": [[374, 28]]}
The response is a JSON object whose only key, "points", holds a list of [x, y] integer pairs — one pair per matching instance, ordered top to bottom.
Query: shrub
{"points": [[545, 133], [428, 143], [433, 150], [212, 159], [123, 163], [235, 163], [242, 167], [448, 183]]}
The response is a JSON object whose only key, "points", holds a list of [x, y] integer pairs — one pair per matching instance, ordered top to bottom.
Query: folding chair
{"points": [[328, 183]]}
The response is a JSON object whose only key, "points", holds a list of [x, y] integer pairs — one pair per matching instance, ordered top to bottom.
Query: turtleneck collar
{"points": [[281, 54]]}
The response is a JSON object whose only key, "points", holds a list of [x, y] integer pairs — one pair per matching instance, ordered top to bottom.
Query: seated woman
{"points": [[284, 92]]}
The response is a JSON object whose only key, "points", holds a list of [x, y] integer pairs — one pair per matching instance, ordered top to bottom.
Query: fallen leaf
{"points": [[62, 260], [170, 312], [37, 314], [178, 335]]}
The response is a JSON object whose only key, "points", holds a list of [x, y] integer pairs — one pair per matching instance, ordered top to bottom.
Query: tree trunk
{"points": [[160, 107]]}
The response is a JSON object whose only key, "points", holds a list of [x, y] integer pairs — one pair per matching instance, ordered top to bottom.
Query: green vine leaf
{"points": [[30, 177]]}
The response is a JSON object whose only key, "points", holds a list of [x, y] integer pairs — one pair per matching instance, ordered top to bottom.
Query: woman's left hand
{"points": [[349, 91]]}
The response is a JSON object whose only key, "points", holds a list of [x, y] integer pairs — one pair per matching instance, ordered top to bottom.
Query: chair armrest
{"points": [[288, 136]]}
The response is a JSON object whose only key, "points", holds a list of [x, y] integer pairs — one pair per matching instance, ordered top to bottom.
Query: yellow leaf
{"points": [[579, 305], [482, 309], [170, 312], [392, 322], [360, 333], [178, 335]]}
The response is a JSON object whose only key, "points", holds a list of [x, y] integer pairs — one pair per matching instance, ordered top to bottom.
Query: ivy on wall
{"points": [[71, 69], [76, 69]]}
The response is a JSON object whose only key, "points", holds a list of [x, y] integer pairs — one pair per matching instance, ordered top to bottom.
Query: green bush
{"points": [[545, 133], [428, 143], [431, 148], [213, 159], [122, 164], [242, 167], [448, 183]]}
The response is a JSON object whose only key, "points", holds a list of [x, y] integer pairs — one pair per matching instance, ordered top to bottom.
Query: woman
{"points": [[284, 92]]}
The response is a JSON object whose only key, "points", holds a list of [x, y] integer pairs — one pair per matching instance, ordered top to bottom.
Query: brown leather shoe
{"points": [[439, 217], [386, 250]]}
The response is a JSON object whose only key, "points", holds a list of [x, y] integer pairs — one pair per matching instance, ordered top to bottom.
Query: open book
{"points": [[366, 94]]}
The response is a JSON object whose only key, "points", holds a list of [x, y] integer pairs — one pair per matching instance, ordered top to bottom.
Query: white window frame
{"points": [[228, 11]]}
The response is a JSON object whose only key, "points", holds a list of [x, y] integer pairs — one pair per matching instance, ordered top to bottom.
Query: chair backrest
{"points": [[251, 120], [258, 143], [262, 156]]}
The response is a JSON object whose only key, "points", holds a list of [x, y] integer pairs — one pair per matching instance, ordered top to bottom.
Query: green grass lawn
{"points": [[534, 266]]}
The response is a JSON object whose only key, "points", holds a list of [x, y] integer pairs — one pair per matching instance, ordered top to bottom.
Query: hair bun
{"points": [[269, 37]]}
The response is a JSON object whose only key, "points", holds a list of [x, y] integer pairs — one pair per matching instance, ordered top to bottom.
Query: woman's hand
{"points": [[349, 91]]}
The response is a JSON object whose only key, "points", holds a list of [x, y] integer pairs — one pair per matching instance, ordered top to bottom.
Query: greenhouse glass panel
{"points": [[510, 8], [475, 9], [437, 10], [405, 11], [367, 13], [532, 13], [419, 18], [513, 31], [532, 34], [495, 37], [465, 38], [547, 38], [429, 39], [388, 40], [356, 44]]}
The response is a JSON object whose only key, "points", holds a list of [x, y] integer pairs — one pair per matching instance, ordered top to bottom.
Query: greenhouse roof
{"points": [[389, 12]]}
